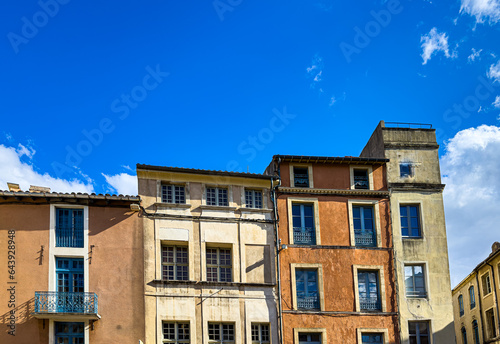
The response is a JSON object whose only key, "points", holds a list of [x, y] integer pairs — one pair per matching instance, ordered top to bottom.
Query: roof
{"points": [[330, 159], [199, 171], [73, 197], [476, 269]]}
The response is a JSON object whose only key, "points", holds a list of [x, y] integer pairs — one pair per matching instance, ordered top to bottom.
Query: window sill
{"points": [[173, 205], [217, 207], [255, 210], [412, 237], [209, 283]]}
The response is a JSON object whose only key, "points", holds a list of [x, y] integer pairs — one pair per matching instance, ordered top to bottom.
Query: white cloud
{"points": [[482, 9], [434, 42], [475, 54], [315, 70], [494, 72], [333, 100], [496, 103], [14, 169], [470, 171], [123, 183]]}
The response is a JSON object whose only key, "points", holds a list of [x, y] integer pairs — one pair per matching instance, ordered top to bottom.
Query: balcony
{"points": [[304, 236], [364, 239], [308, 302], [53, 304], [369, 304]]}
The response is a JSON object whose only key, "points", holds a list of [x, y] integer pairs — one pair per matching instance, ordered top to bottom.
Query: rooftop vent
{"points": [[13, 187], [34, 188]]}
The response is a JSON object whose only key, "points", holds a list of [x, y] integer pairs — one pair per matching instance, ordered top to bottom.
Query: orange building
{"points": [[335, 250], [72, 269]]}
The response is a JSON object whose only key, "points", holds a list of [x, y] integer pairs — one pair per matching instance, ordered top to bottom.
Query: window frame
{"points": [[411, 167], [309, 172], [369, 174], [172, 190], [253, 192], [217, 195], [300, 200], [418, 205], [376, 219], [75, 241], [175, 263], [219, 266], [306, 266], [425, 274], [487, 277], [381, 286], [472, 297], [461, 305], [259, 328], [176, 329], [297, 331], [383, 331], [221, 332], [475, 332], [491, 332], [417, 334], [464, 335]]}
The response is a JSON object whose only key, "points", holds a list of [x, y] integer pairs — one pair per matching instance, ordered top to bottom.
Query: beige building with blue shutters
{"points": [[419, 230], [209, 256]]}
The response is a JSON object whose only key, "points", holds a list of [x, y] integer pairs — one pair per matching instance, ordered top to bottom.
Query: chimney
{"points": [[13, 187], [34, 188], [495, 247]]}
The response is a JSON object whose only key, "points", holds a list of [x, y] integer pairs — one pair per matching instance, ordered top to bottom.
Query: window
{"points": [[406, 170], [301, 177], [361, 180], [173, 194], [217, 196], [253, 199], [410, 221], [303, 224], [69, 227], [364, 231], [175, 263], [219, 266], [415, 281], [486, 284], [307, 289], [369, 295], [472, 297], [461, 304], [490, 321], [475, 331], [69, 332], [175, 332], [419, 332], [220, 333], [260, 334], [464, 336], [310, 338], [367, 338]]}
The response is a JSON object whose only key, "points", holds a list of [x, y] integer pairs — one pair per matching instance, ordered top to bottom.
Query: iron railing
{"points": [[408, 125], [301, 179], [361, 182], [304, 236], [69, 237], [364, 239], [416, 294], [62, 302], [308, 302], [369, 304]]}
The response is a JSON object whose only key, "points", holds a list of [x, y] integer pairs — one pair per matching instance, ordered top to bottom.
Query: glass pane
{"points": [[414, 211]]}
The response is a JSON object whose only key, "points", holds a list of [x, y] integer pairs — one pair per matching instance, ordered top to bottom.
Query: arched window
{"points": [[472, 297], [461, 304], [475, 331], [464, 336]]}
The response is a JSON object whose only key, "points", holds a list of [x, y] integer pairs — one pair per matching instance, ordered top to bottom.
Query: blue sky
{"points": [[89, 90]]}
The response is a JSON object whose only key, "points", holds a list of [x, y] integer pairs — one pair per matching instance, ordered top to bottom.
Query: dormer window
{"points": [[301, 177], [361, 180]]}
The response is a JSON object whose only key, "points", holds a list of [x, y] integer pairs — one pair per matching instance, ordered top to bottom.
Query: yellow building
{"points": [[475, 302]]}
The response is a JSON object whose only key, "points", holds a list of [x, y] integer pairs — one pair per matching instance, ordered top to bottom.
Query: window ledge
{"points": [[343, 192], [172, 205], [217, 207], [254, 210], [411, 238], [219, 284]]}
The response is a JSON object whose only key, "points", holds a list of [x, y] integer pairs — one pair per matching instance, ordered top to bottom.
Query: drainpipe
{"points": [[278, 241], [496, 296], [480, 304]]}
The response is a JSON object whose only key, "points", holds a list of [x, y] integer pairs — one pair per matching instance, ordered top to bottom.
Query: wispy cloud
{"points": [[483, 10], [434, 42], [475, 54], [315, 71], [494, 72], [333, 100], [496, 103], [16, 167], [470, 171], [122, 183]]}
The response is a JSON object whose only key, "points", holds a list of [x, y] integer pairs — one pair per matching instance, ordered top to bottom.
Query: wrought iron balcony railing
{"points": [[361, 182], [304, 236], [69, 237], [364, 239], [416, 294], [60, 302], [308, 302], [369, 304]]}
